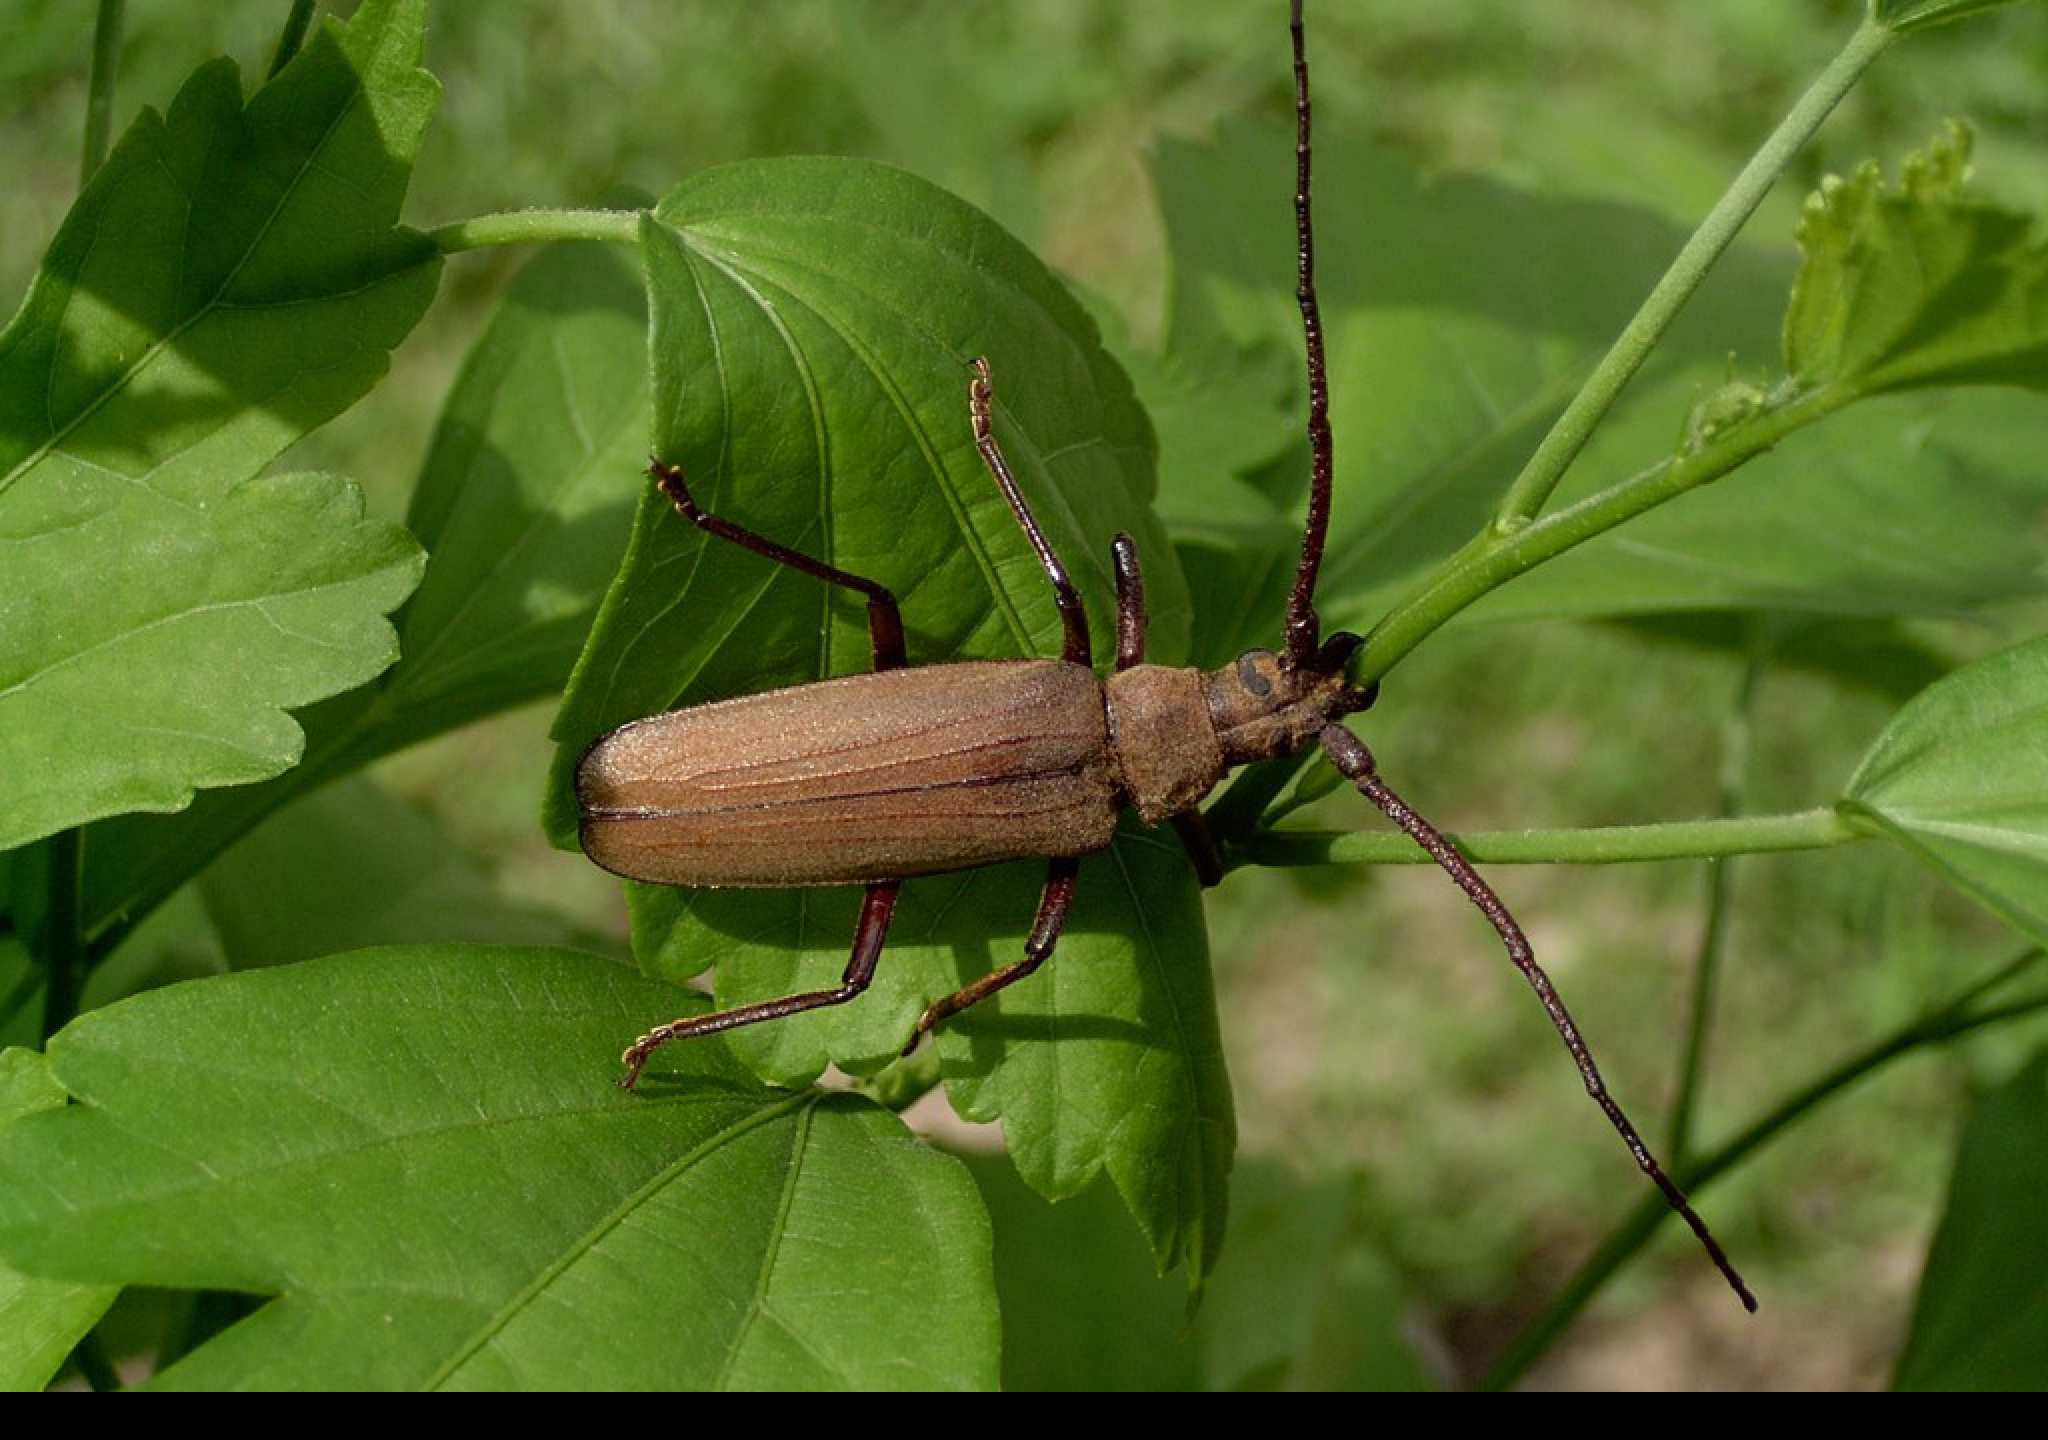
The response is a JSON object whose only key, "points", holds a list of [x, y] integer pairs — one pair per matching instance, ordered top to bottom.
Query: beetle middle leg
{"points": [[885, 620], [1053, 903], [873, 929]]}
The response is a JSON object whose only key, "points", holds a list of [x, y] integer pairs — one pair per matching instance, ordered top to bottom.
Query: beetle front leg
{"points": [[981, 401], [1130, 602], [1053, 902], [875, 911]]}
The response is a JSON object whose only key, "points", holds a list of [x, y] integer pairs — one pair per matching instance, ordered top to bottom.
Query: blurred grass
{"points": [[1371, 1020]]}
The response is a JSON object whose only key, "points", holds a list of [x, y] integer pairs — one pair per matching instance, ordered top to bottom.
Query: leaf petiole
{"points": [[293, 35], [99, 103], [537, 227], [1736, 732], [1817, 829]]}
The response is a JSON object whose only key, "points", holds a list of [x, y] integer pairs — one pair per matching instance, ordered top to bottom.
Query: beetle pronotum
{"points": [[876, 778]]}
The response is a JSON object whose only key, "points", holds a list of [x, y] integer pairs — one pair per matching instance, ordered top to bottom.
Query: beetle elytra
{"points": [[877, 778]]}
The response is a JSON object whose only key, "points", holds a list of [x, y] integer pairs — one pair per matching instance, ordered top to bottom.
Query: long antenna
{"points": [[1304, 630], [1348, 753], [1350, 756]]}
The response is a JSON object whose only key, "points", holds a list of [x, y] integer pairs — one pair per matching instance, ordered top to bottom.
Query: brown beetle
{"points": [[877, 778]]}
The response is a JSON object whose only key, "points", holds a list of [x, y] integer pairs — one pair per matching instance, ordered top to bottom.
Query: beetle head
{"points": [[1262, 707]]}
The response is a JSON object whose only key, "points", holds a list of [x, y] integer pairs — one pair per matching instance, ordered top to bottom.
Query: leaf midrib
{"points": [[748, 278], [571, 1254]]}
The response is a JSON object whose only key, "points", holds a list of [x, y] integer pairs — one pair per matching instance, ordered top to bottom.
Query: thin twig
{"points": [[295, 26], [99, 97], [1734, 785], [1951, 1022]]}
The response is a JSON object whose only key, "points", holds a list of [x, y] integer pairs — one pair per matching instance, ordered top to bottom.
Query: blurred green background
{"points": [[1377, 1038]]}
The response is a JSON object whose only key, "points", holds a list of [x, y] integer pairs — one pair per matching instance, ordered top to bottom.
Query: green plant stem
{"points": [[294, 34], [99, 95], [538, 227], [1526, 496], [1516, 541], [1491, 560], [1734, 784], [1599, 845], [63, 950], [1951, 1022]]}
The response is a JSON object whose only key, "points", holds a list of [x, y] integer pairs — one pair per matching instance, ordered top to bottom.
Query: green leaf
{"points": [[1906, 16], [231, 278], [1917, 284], [1461, 314], [812, 324], [1224, 415], [527, 495], [525, 499], [1922, 504], [1960, 778], [351, 865], [1107, 1061], [533, 1226], [1307, 1299], [1303, 1300], [1084, 1308], [40, 1320], [1981, 1320]]}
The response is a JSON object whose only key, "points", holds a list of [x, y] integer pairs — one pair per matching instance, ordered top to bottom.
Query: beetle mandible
{"points": [[876, 778]]}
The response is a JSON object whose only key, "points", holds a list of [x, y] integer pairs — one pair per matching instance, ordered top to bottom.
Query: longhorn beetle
{"points": [[873, 779]]}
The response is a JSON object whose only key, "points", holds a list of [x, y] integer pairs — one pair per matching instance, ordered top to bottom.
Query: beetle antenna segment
{"points": [[981, 411], [1303, 628], [1350, 756]]}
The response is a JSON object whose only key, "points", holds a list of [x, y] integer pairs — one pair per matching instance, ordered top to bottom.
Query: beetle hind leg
{"points": [[1053, 903], [875, 911]]}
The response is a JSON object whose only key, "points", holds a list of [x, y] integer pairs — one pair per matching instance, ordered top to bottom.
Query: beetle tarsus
{"points": [[1053, 902], [876, 908]]}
